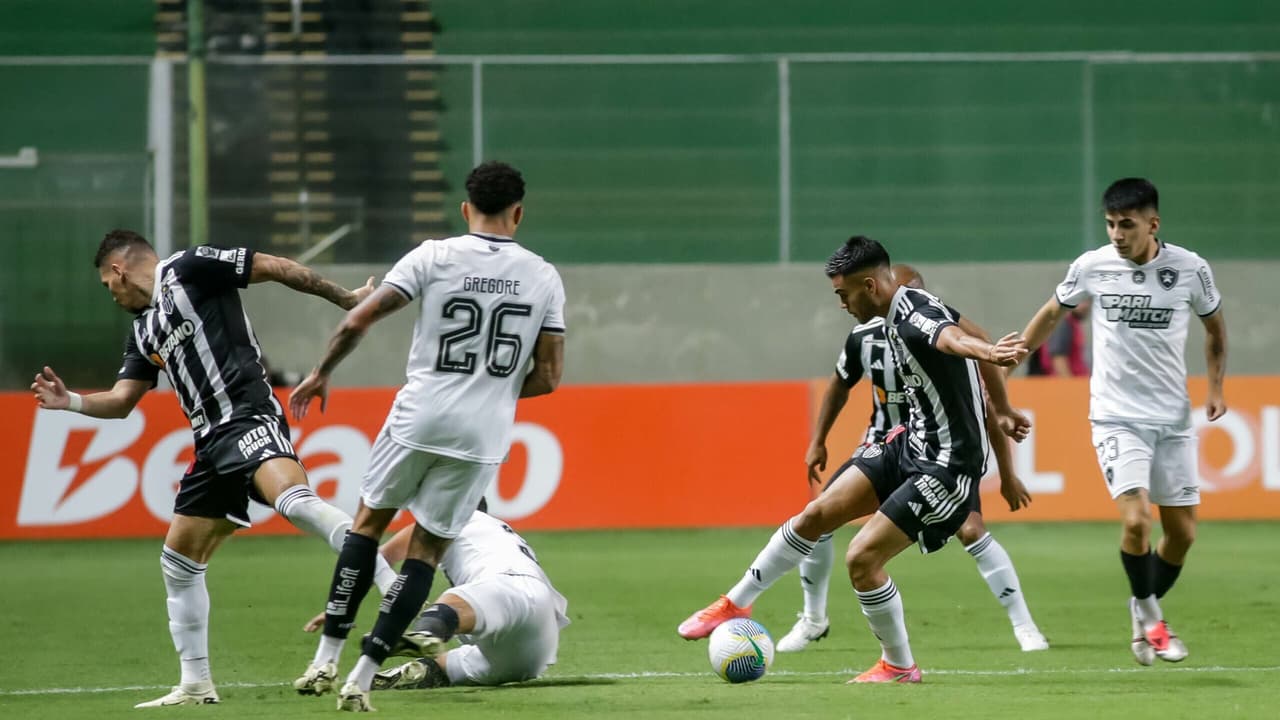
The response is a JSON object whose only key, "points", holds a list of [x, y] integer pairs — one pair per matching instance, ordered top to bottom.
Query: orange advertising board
{"points": [[585, 457], [604, 457]]}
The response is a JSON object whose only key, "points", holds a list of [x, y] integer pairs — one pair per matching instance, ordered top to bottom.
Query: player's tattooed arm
{"points": [[305, 280], [384, 301]]}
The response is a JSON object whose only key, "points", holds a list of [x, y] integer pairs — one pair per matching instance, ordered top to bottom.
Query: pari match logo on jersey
{"points": [[1136, 310]]}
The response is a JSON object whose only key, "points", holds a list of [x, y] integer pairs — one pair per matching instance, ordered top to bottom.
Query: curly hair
{"points": [[494, 187]]}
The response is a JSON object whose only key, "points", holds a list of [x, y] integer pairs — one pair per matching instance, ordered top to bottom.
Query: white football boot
{"points": [[805, 631], [203, 694]]}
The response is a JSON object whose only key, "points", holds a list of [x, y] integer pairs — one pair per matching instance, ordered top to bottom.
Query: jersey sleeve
{"points": [[211, 266], [410, 274], [1074, 288], [1205, 299], [553, 320], [924, 324], [849, 364], [135, 366]]}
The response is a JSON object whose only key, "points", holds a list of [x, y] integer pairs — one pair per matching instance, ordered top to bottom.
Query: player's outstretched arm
{"points": [[305, 280], [384, 301], [1041, 325], [1009, 350], [1215, 355], [548, 366], [52, 394], [833, 401]]}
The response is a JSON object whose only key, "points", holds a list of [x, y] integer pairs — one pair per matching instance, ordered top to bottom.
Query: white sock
{"points": [[301, 506], [784, 551], [997, 569], [815, 578], [188, 603], [883, 609], [1149, 611], [329, 651], [362, 674]]}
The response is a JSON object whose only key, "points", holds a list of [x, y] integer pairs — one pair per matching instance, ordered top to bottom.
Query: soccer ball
{"points": [[741, 650]]}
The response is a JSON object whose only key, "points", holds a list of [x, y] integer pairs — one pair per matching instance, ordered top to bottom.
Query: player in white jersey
{"points": [[1144, 291], [490, 329], [501, 603], [501, 606]]}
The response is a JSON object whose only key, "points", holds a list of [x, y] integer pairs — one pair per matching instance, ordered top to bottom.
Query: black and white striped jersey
{"points": [[196, 330], [866, 352], [948, 414]]}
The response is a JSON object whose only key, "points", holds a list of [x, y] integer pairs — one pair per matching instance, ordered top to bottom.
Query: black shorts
{"points": [[219, 484], [928, 502]]}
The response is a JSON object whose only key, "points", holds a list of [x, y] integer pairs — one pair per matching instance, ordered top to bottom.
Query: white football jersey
{"points": [[482, 301], [1140, 315], [487, 547]]}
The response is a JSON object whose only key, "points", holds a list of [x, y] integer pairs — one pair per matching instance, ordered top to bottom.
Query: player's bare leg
{"points": [[849, 497], [188, 546], [872, 548], [997, 569]]}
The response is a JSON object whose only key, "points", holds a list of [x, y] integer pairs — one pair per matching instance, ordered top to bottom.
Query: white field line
{"points": [[649, 675]]}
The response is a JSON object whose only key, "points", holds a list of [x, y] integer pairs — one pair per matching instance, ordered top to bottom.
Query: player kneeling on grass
{"points": [[502, 605]]}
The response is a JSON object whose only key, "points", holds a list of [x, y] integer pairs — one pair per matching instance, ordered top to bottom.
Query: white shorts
{"points": [[1160, 459], [439, 491], [516, 634]]}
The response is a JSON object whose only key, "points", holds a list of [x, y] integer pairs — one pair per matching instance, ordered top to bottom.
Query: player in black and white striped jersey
{"points": [[190, 324], [866, 352], [919, 485]]}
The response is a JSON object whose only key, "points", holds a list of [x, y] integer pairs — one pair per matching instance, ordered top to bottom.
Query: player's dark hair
{"points": [[494, 187], [1131, 194], [126, 240], [858, 253]]}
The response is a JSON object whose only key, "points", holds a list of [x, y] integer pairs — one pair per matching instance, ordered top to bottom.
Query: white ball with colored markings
{"points": [[741, 650]]}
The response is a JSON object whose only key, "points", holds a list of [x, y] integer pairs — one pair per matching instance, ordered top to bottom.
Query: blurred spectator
{"points": [[1063, 355]]}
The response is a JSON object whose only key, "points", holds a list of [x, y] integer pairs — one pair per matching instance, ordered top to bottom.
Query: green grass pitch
{"points": [[84, 635]]}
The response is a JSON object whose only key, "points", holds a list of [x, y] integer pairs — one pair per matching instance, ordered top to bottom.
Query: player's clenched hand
{"points": [[1009, 351], [315, 386], [50, 392], [1215, 408], [1015, 425], [816, 459], [1014, 492], [314, 624]]}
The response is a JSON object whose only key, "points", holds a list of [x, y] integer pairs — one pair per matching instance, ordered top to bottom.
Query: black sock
{"points": [[1138, 568], [1164, 572], [352, 576], [399, 607], [440, 620]]}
